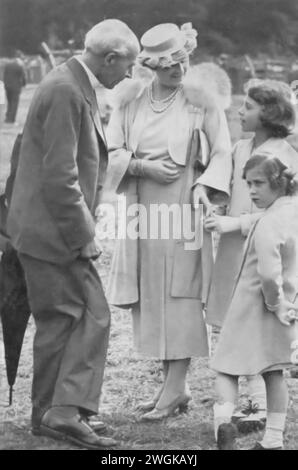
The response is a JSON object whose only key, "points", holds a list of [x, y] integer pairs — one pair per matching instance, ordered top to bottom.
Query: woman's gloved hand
{"points": [[159, 171]]}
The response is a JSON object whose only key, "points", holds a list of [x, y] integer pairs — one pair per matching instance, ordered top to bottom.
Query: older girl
{"points": [[259, 332]]}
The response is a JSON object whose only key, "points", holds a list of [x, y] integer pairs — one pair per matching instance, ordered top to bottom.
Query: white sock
{"points": [[257, 390], [222, 414], [275, 426]]}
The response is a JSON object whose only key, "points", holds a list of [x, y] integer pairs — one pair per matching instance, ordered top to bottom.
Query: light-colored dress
{"points": [[230, 247], [166, 303], [164, 326], [252, 339]]}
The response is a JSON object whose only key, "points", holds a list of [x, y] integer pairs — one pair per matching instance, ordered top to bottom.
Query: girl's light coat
{"points": [[252, 339]]}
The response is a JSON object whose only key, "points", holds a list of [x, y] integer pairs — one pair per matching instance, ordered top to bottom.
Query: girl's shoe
{"points": [[294, 373], [180, 403], [247, 409], [254, 422], [226, 436], [258, 446]]}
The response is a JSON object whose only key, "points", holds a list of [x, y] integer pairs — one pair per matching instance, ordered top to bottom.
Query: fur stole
{"points": [[204, 85]]}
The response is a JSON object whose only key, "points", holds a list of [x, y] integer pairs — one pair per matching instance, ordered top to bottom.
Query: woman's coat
{"points": [[123, 134]]}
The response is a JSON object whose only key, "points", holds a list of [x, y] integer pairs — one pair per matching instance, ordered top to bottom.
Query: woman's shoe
{"points": [[180, 403], [149, 405], [145, 406]]}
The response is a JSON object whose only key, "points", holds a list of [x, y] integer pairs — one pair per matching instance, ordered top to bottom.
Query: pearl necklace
{"points": [[159, 106]]}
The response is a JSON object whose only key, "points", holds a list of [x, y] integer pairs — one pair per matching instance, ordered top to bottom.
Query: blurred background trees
{"points": [[225, 26]]}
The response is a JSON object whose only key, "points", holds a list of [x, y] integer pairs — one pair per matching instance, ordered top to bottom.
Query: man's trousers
{"points": [[72, 320]]}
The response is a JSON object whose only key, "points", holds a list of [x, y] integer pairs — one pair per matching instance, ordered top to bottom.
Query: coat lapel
{"points": [[89, 94], [140, 120], [246, 248]]}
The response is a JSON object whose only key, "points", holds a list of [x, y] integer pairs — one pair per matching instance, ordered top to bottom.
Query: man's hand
{"points": [[161, 172], [200, 197], [221, 223], [91, 251], [287, 312]]}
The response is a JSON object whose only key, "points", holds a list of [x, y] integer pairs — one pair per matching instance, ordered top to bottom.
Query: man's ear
{"points": [[110, 58]]}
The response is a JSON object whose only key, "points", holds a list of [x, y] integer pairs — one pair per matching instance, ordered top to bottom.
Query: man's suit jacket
{"points": [[63, 160]]}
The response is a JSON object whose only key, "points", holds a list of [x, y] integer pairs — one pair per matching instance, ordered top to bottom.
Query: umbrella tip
{"points": [[10, 395]]}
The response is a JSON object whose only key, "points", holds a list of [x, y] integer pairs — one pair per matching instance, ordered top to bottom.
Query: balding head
{"points": [[111, 36]]}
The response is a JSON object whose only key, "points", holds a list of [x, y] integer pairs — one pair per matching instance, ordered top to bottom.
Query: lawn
{"points": [[128, 377]]}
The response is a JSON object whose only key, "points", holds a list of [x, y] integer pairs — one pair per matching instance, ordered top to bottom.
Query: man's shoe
{"points": [[95, 423], [74, 429], [226, 436], [258, 446]]}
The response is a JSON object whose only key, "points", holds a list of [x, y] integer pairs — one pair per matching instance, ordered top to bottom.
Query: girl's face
{"points": [[171, 77], [250, 115], [260, 190]]}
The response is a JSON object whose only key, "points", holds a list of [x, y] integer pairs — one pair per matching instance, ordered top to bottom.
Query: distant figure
{"points": [[14, 81], [2, 102]]}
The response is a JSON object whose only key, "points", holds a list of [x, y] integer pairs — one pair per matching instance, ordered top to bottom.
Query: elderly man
{"points": [[63, 160]]}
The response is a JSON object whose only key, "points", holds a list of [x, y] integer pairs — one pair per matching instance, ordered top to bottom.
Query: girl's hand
{"points": [[161, 172], [200, 197], [212, 223], [222, 224], [287, 312]]}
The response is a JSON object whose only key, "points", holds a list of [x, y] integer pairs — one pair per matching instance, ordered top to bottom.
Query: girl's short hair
{"points": [[278, 114], [278, 174]]}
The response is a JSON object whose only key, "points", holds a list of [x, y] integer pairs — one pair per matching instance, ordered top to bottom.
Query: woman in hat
{"points": [[154, 136]]}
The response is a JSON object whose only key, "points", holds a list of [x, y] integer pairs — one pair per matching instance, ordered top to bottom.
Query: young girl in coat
{"points": [[267, 111], [259, 331]]}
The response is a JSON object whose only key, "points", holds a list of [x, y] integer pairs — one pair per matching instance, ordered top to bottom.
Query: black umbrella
{"points": [[14, 311]]}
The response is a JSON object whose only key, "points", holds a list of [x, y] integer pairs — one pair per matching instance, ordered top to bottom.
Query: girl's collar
{"points": [[267, 142], [280, 201]]}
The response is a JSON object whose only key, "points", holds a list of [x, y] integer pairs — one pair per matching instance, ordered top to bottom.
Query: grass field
{"points": [[128, 378]]}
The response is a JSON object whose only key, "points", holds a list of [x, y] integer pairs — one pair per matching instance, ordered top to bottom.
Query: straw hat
{"points": [[165, 45]]}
